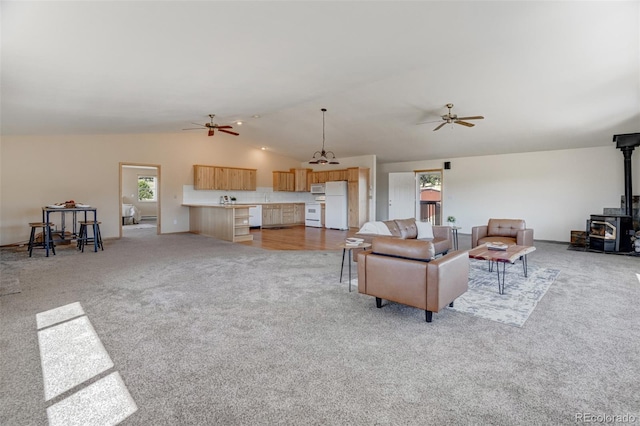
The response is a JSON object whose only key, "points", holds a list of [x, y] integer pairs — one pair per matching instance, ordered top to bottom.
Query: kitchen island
{"points": [[228, 222]]}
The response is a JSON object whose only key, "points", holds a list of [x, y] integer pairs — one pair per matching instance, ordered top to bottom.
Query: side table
{"points": [[455, 236], [349, 248]]}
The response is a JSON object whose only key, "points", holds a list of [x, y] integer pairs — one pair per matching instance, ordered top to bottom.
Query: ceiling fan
{"points": [[453, 118], [212, 127]]}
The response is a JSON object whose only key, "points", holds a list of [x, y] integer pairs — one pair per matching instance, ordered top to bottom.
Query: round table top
{"points": [[354, 246]]}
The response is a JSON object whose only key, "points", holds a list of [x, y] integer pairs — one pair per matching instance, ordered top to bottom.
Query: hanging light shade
{"points": [[323, 157]]}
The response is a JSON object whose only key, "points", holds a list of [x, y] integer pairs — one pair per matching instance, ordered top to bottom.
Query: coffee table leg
{"points": [[524, 264], [501, 281]]}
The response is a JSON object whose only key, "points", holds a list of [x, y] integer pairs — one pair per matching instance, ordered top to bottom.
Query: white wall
{"points": [[40, 170], [554, 191]]}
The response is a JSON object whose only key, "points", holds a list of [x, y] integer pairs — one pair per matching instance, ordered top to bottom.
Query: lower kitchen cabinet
{"points": [[282, 214], [230, 223]]}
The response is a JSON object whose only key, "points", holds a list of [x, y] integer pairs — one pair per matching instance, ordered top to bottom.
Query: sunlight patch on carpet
{"points": [[521, 294], [105, 402]]}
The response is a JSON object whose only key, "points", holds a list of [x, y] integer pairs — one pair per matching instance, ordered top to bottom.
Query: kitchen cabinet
{"points": [[336, 175], [203, 177], [319, 177], [224, 178], [301, 179], [293, 180], [283, 181], [358, 190], [298, 212], [282, 214], [271, 215], [288, 217], [230, 223]]}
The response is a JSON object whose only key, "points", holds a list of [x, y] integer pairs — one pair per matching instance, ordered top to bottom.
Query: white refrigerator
{"points": [[336, 207]]}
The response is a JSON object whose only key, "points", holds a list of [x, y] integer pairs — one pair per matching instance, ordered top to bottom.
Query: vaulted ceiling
{"points": [[545, 75]]}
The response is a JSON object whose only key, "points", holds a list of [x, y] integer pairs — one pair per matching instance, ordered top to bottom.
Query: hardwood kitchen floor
{"points": [[298, 238]]}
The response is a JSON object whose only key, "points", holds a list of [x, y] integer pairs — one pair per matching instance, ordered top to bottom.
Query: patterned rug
{"points": [[521, 295]]}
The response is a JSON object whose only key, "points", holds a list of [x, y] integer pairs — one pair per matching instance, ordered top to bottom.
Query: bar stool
{"points": [[46, 234], [83, 237]]}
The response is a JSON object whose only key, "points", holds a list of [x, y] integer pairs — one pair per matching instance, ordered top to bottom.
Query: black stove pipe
{"points": [[626, 143]]}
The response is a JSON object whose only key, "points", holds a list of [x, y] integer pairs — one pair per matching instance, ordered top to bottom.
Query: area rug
{"points": [[521, 294]]}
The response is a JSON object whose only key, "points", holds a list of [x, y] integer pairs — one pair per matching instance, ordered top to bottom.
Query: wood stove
{"points": [[610, 233]]}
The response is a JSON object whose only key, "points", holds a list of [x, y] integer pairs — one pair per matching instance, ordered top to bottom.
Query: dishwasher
{"points": [[255, 217]]}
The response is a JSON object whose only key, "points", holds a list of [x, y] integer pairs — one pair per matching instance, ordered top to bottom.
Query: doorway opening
{"points": [[429, 195], [140, 197]]}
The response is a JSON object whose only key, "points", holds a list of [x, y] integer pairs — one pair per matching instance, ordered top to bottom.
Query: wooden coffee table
{"points": [[510, 255]]}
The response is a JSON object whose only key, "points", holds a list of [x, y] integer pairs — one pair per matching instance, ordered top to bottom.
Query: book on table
{"points": [[497, 246]]}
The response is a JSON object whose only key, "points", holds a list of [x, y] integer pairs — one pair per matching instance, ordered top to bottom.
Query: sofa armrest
{"points": [[442, 232], [478, 232], [525, 237], [447, 278]]}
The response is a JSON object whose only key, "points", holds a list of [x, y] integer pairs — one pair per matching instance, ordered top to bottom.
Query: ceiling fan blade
{"points": [[475, 117], [464, 123], [198, 124], [224, 127], [439, 127], [193, 128], [228, 131], [210, 132]]}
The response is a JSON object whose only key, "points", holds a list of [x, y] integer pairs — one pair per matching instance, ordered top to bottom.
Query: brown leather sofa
{"points": [[406, 229], [508, 231], [404, 271]]}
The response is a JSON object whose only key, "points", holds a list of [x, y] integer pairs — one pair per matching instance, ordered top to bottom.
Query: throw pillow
{"points": [[407, 228], [425, 230]]}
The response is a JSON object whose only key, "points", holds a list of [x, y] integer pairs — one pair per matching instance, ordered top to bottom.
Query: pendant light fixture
{"points": [[323, 157]]}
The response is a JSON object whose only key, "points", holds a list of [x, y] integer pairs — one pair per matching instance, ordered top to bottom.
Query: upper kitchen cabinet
{"points": [[318, 177], [224, 178], [301, 179], [293, 180], [283, 181]]}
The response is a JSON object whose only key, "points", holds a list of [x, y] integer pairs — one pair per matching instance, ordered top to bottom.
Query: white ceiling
{"points": [[545, 75]]}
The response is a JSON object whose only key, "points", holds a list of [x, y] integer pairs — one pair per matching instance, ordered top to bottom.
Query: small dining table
{"points": [[46, 214]]}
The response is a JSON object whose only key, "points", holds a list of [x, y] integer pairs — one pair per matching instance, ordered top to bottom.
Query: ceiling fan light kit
{"points": [[451, 118], [212, 127], [323, 157]]}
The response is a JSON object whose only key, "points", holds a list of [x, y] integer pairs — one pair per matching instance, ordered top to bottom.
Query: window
{"points": [[147, 188]]}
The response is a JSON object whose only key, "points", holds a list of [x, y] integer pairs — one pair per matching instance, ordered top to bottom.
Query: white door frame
{"points": [[158, 189]]}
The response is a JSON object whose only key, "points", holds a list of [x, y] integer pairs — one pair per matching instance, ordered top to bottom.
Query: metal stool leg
{"points": [[83, 237], [32, 240]]}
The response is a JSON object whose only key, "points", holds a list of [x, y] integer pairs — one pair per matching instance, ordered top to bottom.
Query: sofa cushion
{"points": [[392, 226], [407, 227], [379, 228], [425, 230], [408, 249]]}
